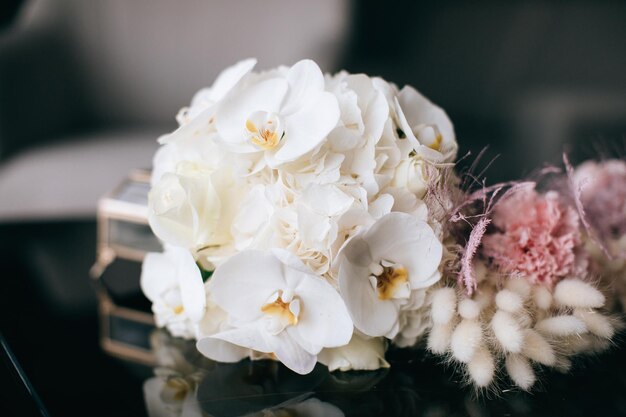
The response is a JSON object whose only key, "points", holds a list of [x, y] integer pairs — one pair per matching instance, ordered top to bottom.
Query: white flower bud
{"points": [[576, 293], [542, 297], [509, 301], [443, 305], [469, 309], [596, 322], [561, 326], [507, 331], [439, 338], [466, 338], [537, 348], [482, 367], [520, 371]]}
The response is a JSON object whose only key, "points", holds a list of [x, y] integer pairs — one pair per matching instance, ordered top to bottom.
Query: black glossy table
{"points": [[59, 353]]}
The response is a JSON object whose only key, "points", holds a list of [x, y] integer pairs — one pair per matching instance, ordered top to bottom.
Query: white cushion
{"points": [[65, 180]]}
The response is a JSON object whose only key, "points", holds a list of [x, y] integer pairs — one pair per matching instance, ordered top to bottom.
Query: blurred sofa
{"points": [[86, 88]]}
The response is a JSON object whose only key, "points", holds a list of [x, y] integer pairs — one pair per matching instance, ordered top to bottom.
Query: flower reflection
{"points": [[188, 385]]}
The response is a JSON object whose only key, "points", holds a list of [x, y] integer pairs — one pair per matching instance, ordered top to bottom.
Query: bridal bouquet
{"points": [[317, 218]]}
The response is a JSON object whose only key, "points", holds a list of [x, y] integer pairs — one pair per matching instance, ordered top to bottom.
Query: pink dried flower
{"points": [[603, 196], [538, 237]]}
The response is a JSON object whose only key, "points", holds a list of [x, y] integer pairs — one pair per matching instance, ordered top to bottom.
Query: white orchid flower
{"points": [[207, 97], [282, 116], [426, 126], [382, 267], [172, 281], [277, 305]]}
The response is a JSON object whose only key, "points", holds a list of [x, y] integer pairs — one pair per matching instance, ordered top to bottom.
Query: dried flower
{"points": [[538, 237]]}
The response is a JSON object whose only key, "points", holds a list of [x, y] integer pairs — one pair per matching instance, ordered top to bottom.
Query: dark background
{"points": [[528, 79]]}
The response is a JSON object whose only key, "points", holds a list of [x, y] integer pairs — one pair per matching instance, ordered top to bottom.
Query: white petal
{"points": [[228, 78], [305, 82], [419, 110], [232, 113], [404, 125], [308, 127], [195, 128], [328, 200], [381, 206], [314, 228], [403, 239], [357, 252], [158, 273], [243, 283], [191, 285], [322, 305], [371, 316], [249, 336], [220, 350], [292, 355]]}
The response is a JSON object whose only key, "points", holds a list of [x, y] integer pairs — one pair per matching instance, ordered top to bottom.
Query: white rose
{"points": [[415, 175], [195, 206]]}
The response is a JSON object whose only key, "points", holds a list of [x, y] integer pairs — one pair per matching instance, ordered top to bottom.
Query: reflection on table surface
{"points": [[187, 384]]}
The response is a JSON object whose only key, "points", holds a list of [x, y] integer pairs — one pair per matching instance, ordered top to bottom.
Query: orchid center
{"points": [[264, 130], [429, 135], [390, 280], [173, 300], [282, 309]]}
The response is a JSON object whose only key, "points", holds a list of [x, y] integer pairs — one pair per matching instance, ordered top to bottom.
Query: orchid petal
{"points": [[228, 78], [305, 81], [234, 110], [420, 110], [308, 127], [402, 238], [158, 274], [243, 283], [191, 284], [321, 305], [370, 315], [250, 336], [220, 350], [292, 355]]}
